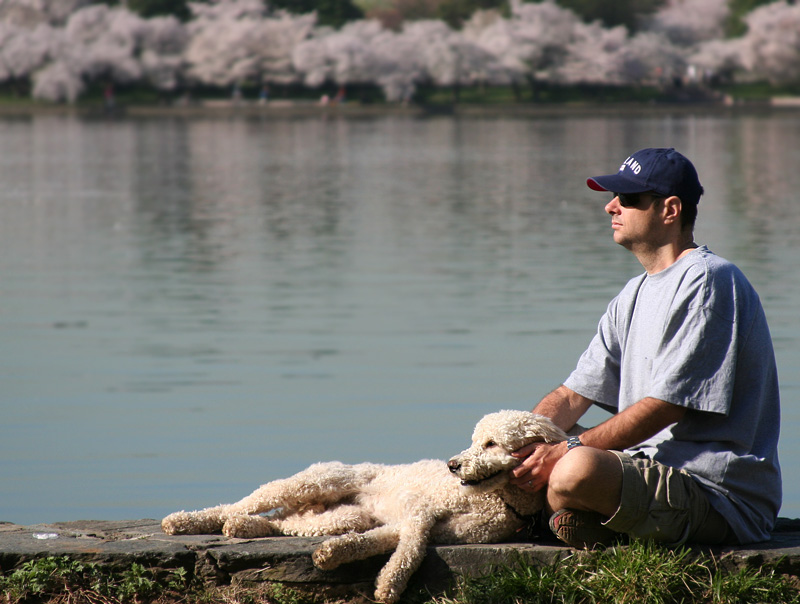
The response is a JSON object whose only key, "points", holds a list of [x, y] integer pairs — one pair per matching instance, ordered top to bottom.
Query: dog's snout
{"points": [[454, 465]]}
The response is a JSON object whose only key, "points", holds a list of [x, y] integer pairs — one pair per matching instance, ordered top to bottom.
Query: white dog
{"points": [[375, 508]]}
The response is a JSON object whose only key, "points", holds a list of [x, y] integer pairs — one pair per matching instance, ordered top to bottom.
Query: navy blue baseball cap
{"points": [[663, 171]]}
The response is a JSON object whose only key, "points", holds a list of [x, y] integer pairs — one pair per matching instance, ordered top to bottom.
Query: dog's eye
{"points": [[489, 444]]}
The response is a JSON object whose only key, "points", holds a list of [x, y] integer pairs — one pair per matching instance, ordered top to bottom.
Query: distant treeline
{"points": [[455, 12], [57, 51]]}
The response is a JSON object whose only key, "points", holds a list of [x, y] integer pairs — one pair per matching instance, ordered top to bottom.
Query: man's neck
{"points": [[656, 259]]}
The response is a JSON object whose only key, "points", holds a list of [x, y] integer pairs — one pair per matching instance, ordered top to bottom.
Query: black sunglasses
{"points": [[631, 200]]}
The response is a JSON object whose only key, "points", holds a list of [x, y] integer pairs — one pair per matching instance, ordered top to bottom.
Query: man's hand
{"points": [[538, 461]]}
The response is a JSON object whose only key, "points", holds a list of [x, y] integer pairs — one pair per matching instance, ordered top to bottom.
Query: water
{"points": [[189, 308]]}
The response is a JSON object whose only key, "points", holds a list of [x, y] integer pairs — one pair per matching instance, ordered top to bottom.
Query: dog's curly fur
{"points": [[373, 509]]}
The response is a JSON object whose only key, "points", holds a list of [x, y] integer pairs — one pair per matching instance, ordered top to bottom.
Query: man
{"points": [[683, 357]]}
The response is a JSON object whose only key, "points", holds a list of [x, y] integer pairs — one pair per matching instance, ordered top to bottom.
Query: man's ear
{"points": [[672, 209]]}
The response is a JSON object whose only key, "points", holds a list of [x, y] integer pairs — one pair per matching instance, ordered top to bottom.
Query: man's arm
{"points": [[564, 406], [634, 425]]}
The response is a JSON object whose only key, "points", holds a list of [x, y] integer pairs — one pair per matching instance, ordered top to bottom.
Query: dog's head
{"points": [[486, 464]]}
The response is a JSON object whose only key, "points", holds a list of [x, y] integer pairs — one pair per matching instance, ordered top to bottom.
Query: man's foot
{"points": [[582, 530]]}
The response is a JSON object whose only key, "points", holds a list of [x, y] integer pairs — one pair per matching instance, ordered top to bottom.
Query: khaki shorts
{"points": [[666, 505]]}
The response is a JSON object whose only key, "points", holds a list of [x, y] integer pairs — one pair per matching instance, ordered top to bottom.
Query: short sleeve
{"points": [[597, 375]]}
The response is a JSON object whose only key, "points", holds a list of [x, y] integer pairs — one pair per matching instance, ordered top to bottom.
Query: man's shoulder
{"points": [[711, 262], [719, 271], [714, 272], [724, 286]]}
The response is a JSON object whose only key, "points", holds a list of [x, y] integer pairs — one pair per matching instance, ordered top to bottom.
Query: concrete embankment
{"points": [[218, 560]]}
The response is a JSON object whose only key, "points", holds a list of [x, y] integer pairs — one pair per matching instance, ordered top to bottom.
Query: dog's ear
{"points": [[541, 428]]}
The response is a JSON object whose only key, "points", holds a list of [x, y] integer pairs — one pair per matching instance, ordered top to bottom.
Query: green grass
{"points": [[756, 91], [543, 93], [139, 94], [642, 573], [61, 579]]}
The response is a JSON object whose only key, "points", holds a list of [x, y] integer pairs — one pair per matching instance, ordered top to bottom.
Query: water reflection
{"points": [[193, 307]]}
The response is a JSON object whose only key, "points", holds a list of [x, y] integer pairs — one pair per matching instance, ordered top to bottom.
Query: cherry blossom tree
{"points": [[59, 11], [22, 13], [30, 13], [690, 22], [27, 32], [220, 35], [280, 35], [499, 37], [231, 41], [96, 42], [102, 43], [162, 43], [113, 45], [532, 45], [63, 46], [771, 46], [23, 50], [364, 52], [342, 57], [594, 57], [449, 58], [649, 58], [717, 60], [398, 66], [57, 82]]}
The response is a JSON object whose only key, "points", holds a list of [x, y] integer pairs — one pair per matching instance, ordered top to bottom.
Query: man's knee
{"points": [[573, 471], [586, 479]]}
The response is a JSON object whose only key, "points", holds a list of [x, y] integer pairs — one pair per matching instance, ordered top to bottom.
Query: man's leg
{"points": [[584, 492], [596, 495]]}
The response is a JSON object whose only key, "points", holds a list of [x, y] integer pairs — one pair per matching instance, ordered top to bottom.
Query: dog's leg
{"points": [[322, 483], [338, 520], [335, 521], [202, 522], [249, 526], [408, 541], [355, 546], [410, 552]]}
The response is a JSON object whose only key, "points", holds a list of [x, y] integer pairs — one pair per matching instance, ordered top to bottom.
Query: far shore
{"points": [[306, 108]]}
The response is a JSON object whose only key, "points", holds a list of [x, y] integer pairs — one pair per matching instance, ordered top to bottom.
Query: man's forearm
{"points": [[634, 425]]}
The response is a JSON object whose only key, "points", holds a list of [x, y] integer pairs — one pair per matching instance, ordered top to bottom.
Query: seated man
{"points": [[683, 357]]}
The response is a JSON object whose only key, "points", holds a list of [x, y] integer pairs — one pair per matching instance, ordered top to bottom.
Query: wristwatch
{"points": [[572, 442]]}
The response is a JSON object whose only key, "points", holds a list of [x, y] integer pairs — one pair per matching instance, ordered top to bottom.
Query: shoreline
{"points": [[303, 109], [217, 560]]}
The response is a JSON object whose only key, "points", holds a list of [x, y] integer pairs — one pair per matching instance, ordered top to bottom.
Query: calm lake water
{"points": [[189, 308]]}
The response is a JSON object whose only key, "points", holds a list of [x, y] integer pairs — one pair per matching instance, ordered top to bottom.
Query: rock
{"points": [[219, 560]]}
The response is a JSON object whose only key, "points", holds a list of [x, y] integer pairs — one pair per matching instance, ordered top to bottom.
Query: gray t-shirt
{"points": [[695, 335]]}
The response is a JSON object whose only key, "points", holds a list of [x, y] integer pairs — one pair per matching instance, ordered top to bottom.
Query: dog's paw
{"points": [[178, 523], [247, 527], [323, 557], [386, 595]]}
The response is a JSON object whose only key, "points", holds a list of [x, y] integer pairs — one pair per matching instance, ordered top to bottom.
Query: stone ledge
{"points": [[219, 560]]}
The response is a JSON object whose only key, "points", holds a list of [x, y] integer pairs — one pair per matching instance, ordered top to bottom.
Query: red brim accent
{"points": [[592, 184]]}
